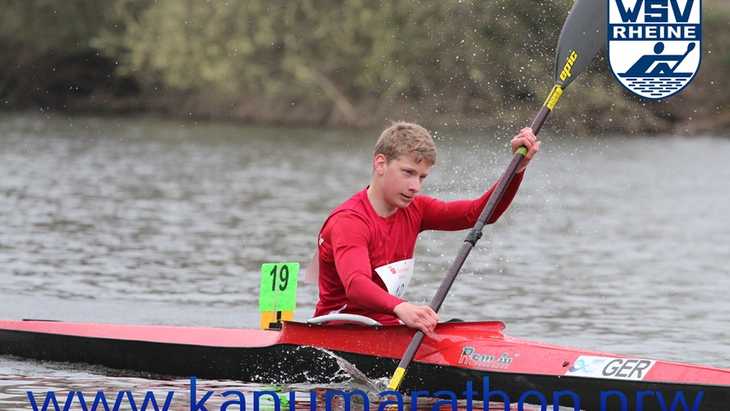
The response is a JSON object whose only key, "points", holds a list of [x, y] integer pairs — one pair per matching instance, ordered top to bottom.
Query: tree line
{"points": [[332, 62]]}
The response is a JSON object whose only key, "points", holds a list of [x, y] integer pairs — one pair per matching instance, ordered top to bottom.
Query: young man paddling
{"points": [[366, 244]]}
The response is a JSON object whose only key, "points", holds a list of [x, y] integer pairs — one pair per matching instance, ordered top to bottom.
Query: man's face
{"points": [[402, 178]]}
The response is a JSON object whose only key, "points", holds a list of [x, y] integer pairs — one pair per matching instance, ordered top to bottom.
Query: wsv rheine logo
{"points": [[654, 46]]}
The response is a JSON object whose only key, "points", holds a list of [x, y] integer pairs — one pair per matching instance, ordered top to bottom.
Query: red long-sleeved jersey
{"points": [[354, 240]]}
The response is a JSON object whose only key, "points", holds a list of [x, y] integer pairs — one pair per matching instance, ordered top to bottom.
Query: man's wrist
{"points": [[397, 301]]}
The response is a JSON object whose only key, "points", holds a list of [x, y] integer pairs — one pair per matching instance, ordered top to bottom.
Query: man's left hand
{"points": [[528, 139]]}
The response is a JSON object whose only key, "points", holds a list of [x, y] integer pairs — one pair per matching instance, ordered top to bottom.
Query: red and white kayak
{"points": [[459, 352]]}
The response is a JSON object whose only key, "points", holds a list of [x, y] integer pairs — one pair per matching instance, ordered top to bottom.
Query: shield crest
{"points": [[654, 46]]}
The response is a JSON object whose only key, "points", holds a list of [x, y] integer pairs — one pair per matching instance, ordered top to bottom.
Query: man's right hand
{"points": [[421, 317]]}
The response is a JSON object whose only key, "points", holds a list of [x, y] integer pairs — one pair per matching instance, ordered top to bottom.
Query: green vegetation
{"points": [[332, 62]]}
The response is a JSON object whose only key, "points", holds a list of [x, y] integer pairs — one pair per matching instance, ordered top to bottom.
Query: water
{"points": [[617, 244]]}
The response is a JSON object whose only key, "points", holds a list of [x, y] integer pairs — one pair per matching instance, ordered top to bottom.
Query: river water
{"points": [[617, 244]]}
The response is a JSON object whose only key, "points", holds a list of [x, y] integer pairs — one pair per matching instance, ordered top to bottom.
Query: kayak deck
{"points": [[201, 336]]}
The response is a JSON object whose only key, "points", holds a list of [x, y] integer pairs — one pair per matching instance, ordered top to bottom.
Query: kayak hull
{"points": [[457, 354]]}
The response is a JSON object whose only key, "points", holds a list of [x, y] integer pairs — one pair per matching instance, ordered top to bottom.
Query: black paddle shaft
{"points": [[472, 238]]}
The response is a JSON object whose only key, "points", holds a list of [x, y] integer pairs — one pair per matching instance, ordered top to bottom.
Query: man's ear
{"points": [[379, 163]]}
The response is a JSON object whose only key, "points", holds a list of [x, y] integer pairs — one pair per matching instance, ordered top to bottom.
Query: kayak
{"points": [[458, 353]]}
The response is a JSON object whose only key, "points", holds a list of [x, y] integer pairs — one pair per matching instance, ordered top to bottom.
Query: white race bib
{"points": [[311, 273], [396, 276]]}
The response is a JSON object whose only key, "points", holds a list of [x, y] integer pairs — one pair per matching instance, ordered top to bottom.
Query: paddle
{"points": [[580, 39]]}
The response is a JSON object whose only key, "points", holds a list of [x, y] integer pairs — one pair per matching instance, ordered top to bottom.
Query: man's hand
{"points": [[528, 139], [417, 316]]}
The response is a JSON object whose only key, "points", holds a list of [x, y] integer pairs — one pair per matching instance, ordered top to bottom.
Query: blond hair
{"points": [[403, 138]]}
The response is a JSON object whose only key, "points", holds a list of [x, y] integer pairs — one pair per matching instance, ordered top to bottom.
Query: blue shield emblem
{"points": [[654, 46]]}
